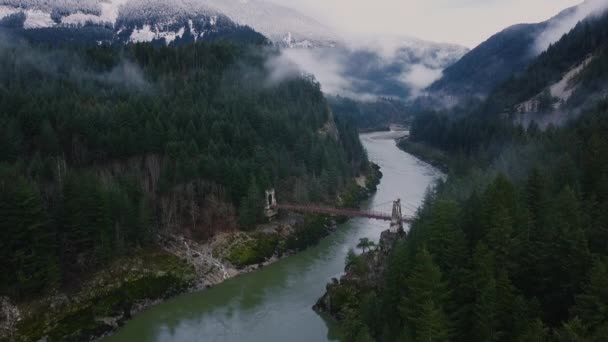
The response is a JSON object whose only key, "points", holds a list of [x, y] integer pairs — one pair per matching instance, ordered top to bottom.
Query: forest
{"points": [[104, 149], [513, 246], [515, 249]]}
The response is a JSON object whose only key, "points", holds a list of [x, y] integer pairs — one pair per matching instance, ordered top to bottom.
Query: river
{"points": [[274, 303]]}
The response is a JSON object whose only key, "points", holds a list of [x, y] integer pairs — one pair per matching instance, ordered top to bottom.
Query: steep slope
{"points": [[155, 20], [111, 21], [506, 54], [490, 63], [359, 69], [571, 73], [119, 148]]}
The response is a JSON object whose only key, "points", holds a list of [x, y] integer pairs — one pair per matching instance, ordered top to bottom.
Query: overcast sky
{"points": [[465, 22]]}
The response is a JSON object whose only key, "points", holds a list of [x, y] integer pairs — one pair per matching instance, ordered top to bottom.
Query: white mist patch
{"points": [[37, 19], [557, 28], [327, 69], [419, 77]]}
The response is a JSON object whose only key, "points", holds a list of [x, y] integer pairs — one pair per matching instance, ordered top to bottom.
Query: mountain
{"points": [[140, 20], [120, 21], [505, 54], [358, 68], [370, 70], [570, 75]]}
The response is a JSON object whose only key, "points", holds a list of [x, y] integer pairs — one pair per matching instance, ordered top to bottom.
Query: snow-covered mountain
{"points": [[147, 20], [357, 67]]}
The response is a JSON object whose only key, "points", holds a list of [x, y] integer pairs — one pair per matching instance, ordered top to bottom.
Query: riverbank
{"points": [[426, 153], [362, 275], [361, 284], [112, 296], [248, 307]]}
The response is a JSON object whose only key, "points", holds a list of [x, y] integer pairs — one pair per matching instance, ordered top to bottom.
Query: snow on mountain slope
{"points": [[280, 24], [371, 67]]}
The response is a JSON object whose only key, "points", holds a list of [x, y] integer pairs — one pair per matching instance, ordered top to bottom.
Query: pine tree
{"points": [[251, 207], [446, 239], [28, 253], [395, 277], [592, 305], [422, 307], [485, 307]]}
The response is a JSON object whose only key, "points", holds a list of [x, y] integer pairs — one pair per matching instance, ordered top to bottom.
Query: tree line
{"points": [[104, 148], [509, 250]]}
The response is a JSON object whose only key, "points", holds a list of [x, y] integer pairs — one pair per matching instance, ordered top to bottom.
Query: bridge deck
{"points": [[314, 209]]}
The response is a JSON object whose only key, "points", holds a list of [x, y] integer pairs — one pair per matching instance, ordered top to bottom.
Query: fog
{"points": [[560, 27], [58, 63]]}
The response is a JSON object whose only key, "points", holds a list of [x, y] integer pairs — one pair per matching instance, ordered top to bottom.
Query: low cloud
{"points": [[557, 28], [60, 63], [328, 66], [126, 73], [361, 74], [420, 77]]}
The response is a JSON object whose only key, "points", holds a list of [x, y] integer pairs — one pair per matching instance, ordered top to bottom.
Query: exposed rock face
{"points": [[360, 275]]}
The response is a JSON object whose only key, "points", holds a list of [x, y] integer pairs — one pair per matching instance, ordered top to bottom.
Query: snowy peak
{"points": [[153, 19], [125, 20]]}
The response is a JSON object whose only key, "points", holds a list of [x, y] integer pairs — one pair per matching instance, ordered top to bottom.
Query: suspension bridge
{"points": [[397, 219]]}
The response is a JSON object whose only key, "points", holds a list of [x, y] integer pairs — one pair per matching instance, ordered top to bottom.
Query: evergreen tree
{"points": [[251, 207], [485, 305], [592, 305], [422, 307]]}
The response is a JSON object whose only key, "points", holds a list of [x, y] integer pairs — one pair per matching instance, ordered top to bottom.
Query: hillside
{"points": [[503, 55], [344, 66], [570, 74], [117, 146], [512, 246]]}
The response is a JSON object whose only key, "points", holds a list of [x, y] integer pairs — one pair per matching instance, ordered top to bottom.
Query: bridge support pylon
{"points": [[270, 204], [397, 218]]}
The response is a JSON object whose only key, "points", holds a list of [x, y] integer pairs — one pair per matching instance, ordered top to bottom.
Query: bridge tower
{"points": [[270, 204], [397, 218]]}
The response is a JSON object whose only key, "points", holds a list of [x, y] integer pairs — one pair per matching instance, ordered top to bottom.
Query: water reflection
{"points": [[274, 303]]}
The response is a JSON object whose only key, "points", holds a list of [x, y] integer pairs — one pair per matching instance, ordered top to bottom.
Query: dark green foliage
{"points": [[371, 116], [100, 157], [315, 228], [28, 244], [522, 250], [255, 251], [592, 304], [422, 307]]}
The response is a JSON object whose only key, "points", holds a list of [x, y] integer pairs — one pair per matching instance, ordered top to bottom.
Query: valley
{"points": [[175, 171], [274, 303]]}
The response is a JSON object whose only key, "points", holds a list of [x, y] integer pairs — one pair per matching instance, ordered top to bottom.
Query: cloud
{"points": [[466, 22], [563, 25], [61, 63], [329, 67], [126, 73], [362, 73], [419, 76]]}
